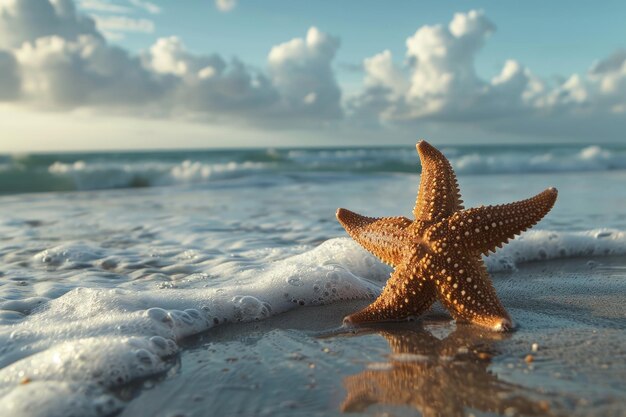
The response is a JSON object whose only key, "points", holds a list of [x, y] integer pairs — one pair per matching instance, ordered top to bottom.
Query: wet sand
{"points": [[567, 357]]}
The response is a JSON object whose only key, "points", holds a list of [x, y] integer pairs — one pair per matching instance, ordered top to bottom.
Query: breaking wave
{"points": [[69, 172]]}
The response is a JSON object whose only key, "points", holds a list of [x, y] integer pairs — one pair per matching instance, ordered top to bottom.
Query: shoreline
{"points": [[554, 363]]}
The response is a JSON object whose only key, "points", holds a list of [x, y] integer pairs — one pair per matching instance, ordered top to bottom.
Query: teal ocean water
{"points": [[93, 171], [213, 282]]}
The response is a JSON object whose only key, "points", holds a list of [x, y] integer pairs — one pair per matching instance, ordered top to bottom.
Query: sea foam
{"points": [[109, 174], [541, 245], [89, 341], [76, 349]]}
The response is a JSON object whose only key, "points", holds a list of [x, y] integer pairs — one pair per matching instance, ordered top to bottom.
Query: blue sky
{"points": [[554, 38], [279, 72]]}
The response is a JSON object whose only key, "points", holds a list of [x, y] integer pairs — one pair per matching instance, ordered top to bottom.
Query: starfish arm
{"points": [[438, 196], [482, 229], [384, 237], [464, 288], [405, 295]]}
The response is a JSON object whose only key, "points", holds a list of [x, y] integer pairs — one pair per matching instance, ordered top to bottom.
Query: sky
{"points": [[139, 74]]}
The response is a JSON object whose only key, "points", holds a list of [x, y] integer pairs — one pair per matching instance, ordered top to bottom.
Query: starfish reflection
{"points": [[445, 377]]}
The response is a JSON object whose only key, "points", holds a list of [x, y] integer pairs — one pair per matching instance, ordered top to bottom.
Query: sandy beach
{"points": [[224, 295], [565, 358]]}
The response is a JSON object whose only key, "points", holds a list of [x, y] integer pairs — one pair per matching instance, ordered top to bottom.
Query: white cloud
{"points": [[146, 5], [225, 5], [102, 6], [106, 6], [27, 20], [115, 21], [123, 24], [169, 56], [78, 69], [443, 69], [301, 71], [381, 71], [207, 72], [61, 73], [608, 76], [9, 77], [438, 80], [166, 81], [300, 83], [438, 84], [208, 86], [512, 90], [235, 92]]}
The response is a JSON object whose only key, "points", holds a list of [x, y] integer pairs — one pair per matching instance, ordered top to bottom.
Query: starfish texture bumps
{"points": [[438, 255]]}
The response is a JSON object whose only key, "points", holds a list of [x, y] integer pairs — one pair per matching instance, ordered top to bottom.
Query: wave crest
{"points": [[126, 170], [103, 175]]}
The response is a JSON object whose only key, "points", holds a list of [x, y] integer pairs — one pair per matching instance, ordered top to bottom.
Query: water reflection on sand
{"points": [[440, 377]]}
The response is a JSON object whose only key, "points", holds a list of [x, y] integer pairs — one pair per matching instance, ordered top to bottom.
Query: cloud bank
{"points": [[54, 58], [437, 82]]}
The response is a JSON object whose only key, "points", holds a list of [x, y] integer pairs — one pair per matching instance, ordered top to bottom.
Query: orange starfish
{"points": [[438, 255]]}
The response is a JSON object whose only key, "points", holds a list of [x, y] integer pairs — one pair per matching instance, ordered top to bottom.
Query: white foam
{"points": [[591, 158], [503, 160], [190, 171], [110, 174], [539, 245], [68, 255], [98, 339], [75, 349], [71, 378], [58, 399]]}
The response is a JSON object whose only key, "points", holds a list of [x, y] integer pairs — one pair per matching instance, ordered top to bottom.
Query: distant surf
{"points": [[93, 171]]}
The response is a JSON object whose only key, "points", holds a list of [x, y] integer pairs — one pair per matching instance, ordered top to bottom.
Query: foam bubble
{"points": [[539, 245], [68, 255], [24, 306], [248, 308], [58, 399]]}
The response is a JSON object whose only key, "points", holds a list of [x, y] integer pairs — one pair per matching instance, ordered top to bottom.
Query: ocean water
{"points": [[23, 173], [125, 275]]}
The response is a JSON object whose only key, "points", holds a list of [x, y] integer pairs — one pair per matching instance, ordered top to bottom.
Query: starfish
{"points": [[438, 255]]}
